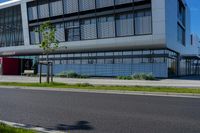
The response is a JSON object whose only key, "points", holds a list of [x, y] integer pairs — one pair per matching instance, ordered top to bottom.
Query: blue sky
{"points": [[195, 15]]}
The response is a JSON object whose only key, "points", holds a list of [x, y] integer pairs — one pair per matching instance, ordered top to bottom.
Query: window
{"points": [[117, 2], [104, 3], [86, 5], [70, 6], [56, 8], [43, 9], [181, 12], [32, 13], [143, 22], [124, 24], [106, 27], [88, 29], [72, 31], [11, 32], [60, 32], [181, 35], [34, 36]]}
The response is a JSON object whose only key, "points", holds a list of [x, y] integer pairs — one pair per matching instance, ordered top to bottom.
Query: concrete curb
{"points": [[142, 93], [23, 126]]}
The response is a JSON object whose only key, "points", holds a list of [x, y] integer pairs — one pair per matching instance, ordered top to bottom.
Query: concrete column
{"points": [[25, 23]]}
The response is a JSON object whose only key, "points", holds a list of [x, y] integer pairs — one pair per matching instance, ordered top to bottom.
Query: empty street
{"points": [[100, 113]]}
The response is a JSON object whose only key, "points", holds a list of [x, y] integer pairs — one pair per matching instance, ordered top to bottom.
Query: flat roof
{"points": [[9, 3]]}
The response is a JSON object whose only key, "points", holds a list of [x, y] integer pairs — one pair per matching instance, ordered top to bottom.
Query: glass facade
{"points": [[84, 19], [181, 23], [11, 32], [116, 57]]}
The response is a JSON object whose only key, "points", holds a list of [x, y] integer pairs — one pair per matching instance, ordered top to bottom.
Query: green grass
{"points": [[92, 87], [7, 129]]}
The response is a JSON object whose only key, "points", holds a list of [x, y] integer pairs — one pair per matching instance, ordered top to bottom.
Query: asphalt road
{"points": [[100, 113]]}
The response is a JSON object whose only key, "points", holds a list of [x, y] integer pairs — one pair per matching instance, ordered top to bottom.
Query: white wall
{"points": [[171, 29], [154, 41]]}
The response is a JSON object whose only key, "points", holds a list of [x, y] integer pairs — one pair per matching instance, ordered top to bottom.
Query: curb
{"points": [[140, 93], [23, 126]]}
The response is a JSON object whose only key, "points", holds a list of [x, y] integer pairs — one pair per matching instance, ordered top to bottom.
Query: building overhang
{"points": [[191, 56]]}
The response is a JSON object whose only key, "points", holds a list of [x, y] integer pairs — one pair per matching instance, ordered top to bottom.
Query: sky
{"points": [[195, 15]]}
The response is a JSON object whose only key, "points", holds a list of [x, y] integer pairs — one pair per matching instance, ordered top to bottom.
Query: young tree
{"points": [[49, 43]]}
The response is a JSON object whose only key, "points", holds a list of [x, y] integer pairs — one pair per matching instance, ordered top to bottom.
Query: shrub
{"points": [[71, 74], [140, 76], [143, 76], [124, 77]]}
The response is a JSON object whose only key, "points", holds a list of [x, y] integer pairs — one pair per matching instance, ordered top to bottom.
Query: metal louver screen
{"points": [[123, 1], [104, 3], [86, 4], [70, 6], [56, 8], [43, 11]]}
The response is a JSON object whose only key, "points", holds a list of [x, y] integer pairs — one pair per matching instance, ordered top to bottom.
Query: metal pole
{"points": [[48, 72], [52, 72], [40, 73]]}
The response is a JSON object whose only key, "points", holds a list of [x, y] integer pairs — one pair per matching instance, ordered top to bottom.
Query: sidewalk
{"points": [[186, 83]]}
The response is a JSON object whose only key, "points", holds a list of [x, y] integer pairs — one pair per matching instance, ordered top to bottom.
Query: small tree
{"points": [[49, 43]]}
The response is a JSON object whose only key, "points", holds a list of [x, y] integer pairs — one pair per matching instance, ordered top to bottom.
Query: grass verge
{"points": [[119, 88], [8, 129]]}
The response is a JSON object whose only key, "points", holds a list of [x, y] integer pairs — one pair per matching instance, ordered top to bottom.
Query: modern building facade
{"points": [[103, 37]]}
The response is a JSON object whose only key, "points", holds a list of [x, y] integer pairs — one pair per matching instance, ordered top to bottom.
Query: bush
{"points": [[71, 74], [141, 76], [124, 77]]}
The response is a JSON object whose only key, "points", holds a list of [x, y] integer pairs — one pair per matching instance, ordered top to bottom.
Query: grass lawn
{"points": [[91, 87], [7, 129]]}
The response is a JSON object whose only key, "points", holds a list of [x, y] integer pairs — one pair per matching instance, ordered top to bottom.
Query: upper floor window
{"points": [[117, 2], [104, 3], [86, 5], [70, 6], [56, 8], [43, 9], [181, 12], [32, 13], [143, 22], [124, 24], [106, 27], [88, 29], [72, 31], [181, 35]]}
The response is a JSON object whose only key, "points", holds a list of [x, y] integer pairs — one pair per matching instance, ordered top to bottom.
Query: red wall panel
{"points": [[11, 66]]}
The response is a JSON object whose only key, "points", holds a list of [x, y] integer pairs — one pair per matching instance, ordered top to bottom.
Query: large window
{"points": [[122, 1], [104, 3], [86, 5], [70, 6], [56, 7], [43, 9], [181, 12], [32, 13], [143, 22], [181, 23], [124, 24], [106, 27], [88, 29], [72, 31], [60, 32], [11, 33], [181, 34], [34, 36]]}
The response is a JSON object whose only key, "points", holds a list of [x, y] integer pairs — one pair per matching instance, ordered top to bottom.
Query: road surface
{"points": [[80, 112]]}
